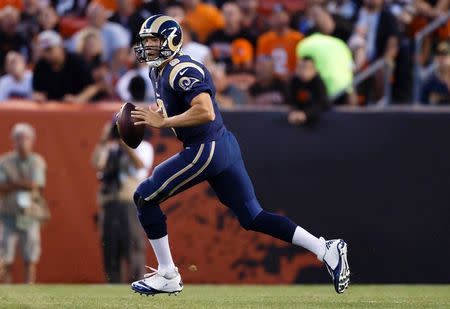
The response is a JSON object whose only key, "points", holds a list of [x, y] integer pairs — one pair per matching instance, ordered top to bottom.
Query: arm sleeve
{"points": [[189, 80], [3, 91], [146, 154], [39, 172]]}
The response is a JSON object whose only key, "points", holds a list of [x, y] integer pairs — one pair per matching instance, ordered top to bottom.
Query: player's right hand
{"points": [[148, 117]]}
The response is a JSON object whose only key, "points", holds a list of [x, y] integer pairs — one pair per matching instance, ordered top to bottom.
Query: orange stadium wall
{"points": [[378, 178], [71, 252]]}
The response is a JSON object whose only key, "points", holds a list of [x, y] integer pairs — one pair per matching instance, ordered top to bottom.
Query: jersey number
{"points": [[161, 105]]}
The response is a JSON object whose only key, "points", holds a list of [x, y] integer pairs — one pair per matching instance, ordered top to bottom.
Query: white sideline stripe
{"points": [[211, 154], [180, 172]]}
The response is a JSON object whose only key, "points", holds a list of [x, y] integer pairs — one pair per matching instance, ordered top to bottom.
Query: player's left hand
{"points": [[148, 117]]}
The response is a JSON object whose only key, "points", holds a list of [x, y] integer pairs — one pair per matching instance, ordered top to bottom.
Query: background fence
{"points": [[378, 178]]}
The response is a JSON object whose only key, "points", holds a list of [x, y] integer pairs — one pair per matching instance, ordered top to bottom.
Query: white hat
{"points": [[49, 38], [22, 128]]}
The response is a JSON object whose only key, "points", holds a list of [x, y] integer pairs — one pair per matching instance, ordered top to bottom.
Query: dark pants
{"points": [[220, 163], [122, 242]]}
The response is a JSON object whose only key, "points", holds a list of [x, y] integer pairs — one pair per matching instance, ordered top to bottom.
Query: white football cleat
{"points": [[335, 259], [158, 282]]}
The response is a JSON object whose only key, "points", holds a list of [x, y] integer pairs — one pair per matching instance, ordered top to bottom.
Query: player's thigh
{"points": [[176, 174], [234, 189]]}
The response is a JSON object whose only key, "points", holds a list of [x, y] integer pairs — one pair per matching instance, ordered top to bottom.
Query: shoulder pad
{"points": [[185, 74]]}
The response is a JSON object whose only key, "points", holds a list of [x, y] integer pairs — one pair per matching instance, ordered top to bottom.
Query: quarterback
{"points": [[185, 96]]}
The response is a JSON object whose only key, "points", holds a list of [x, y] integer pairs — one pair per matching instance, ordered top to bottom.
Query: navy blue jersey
{"points": [[181, 80]]}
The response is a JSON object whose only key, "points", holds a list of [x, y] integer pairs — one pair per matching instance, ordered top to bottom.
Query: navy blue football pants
{"points": [[220, 163]]}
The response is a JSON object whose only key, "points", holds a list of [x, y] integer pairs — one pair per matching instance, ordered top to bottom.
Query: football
{"points": [[131, 134]]}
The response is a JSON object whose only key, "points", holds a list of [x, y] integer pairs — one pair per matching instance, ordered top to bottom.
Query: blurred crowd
{"points": [[299, 52]]}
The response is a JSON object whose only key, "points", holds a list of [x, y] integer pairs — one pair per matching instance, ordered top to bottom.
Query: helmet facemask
{"points": [[154, 56]]}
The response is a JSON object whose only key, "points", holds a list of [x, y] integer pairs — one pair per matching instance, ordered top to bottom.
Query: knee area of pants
{"points": [[136, 198], [140, 202], [151, 215], [153, 221], [246, 223], [253, 224]]}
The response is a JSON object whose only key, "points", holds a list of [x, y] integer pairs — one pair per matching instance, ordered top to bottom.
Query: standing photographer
{"points": [[120, 170], [22, 206]]}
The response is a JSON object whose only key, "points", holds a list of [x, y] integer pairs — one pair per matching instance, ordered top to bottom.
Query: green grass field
{"points": [[221, 296]]}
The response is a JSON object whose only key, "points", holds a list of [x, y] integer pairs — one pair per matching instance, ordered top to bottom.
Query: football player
{"points": [[186, 103]]}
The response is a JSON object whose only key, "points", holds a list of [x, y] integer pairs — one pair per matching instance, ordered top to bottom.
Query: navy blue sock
{"points": [[274, 225]]}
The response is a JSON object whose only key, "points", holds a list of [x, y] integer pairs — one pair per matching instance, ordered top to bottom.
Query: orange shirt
{"points": [[14, 3], [110, 5], [204, 20], [281, 49]]}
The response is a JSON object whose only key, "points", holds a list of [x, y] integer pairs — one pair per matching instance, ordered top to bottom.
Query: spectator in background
{"points": [[70, 7], [148, 8], [432, 8], [175, 9], [346, 9], [428, 10], [404, 11], [344, 13], [128, 17], [203, 18], [316, 18], [48, 19], [253, 21], [29, 26], [377, 30], [377, 35], [10, 38], [115, 38], [221, 40], [279, 43], [90, 48], [197, 51], [242, 55], [332, 59], [120, 64], [241, 74], [60, 75], [17, 81], [123, 88], [136, 88], [268, 89], [436, 90], [307, 93], [227, 94], [122, 169], [23, 208]]}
